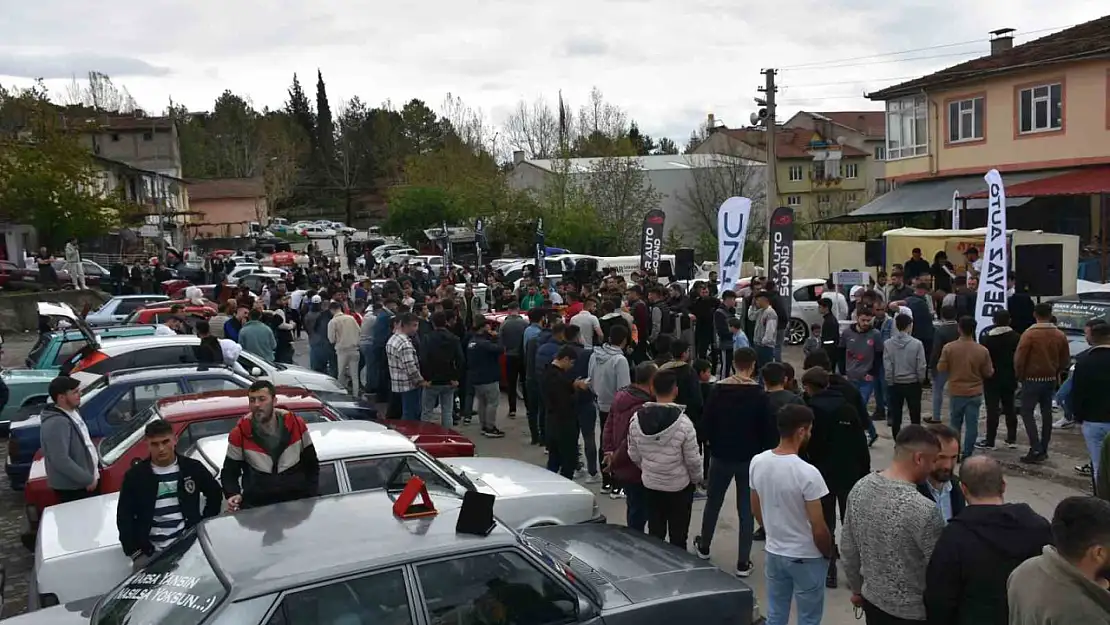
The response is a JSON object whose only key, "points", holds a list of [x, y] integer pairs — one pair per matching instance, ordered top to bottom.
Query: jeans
{"points": [[780, 338], [763, 355], [318, 357], [348, 369], [369, 370], [514, 371], [940, 379], [865, 389], [882, 392], [908, 394], [1032, 394], [444, 395], [488, 397], [1063, 397], [1000, 401], [410, 404], [533, 405], [965, 415], [587, 425], [1094, 434], [562, 454], [722, 473], [635, 499], [669, 514], [799, 579]]}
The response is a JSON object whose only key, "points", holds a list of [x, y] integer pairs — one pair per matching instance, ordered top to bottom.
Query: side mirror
{"points": [[256, 372]]}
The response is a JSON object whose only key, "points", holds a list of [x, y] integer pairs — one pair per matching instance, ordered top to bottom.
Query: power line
{"points": [[839, 62]]}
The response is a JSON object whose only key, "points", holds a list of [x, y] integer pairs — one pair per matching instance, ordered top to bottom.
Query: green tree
{"points": [[298, 108], [325, 128], [423, 129], [642, 145], [667, 146], [47, 177], [618, 189], [414, 209]]}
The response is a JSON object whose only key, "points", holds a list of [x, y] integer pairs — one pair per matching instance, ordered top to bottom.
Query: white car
{"points": [[317, 232], [385, 249], [399, 256], [242, 271], [78, 555]]}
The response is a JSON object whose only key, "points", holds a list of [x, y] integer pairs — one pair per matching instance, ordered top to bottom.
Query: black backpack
{"points": [[667, 324]]}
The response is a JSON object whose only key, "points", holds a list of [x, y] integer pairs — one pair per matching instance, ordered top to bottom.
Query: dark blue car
{"points": [[110, 400]]}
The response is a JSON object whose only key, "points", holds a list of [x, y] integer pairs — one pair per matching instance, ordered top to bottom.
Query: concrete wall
{"points": [[19, 312]]}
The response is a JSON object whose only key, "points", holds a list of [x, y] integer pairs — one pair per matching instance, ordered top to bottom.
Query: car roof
{"points": [[143, 296], [107, 332], [124, 345], [147, 373], [216, 403], [333, 440], [267, 549]]}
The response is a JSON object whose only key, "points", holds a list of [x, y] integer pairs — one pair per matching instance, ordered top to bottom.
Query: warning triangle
{"points": [[406, 506]]}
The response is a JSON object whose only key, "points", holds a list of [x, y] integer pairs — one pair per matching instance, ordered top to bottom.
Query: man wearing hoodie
{"points": [[611, 316], [945, 333], [535, 334], [257, 338], [1001, 342], [1042, 356], [483, 362], [904, 367], [608, 373], [737, 424], [662, 441], [614, 445], [837, 448], [71, 458], [965, 583]]}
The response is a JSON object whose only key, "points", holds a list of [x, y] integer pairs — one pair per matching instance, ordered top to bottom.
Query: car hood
{"points": [[306, 378], [509, 478], [631, 567], [72, 613]]}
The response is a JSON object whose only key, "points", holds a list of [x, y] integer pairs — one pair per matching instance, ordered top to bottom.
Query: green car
{"points": [[28, 387]]}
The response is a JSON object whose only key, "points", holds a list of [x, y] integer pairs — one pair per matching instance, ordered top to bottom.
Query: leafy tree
{"points": [[298, 108], [422, 128], [325, 129], [642, 145], [667, 146], [47, 177], [715, 178], [619, 190], [414, 209], [673, 241]]}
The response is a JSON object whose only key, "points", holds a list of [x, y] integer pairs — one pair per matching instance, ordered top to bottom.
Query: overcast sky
{"points": [[666, 62]]}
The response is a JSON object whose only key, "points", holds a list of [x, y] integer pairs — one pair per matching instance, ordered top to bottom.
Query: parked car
{"points": [[317, 232], [245, 270], [14, 276], [803, 309], [116, 310], [161, 313], [108, 401], [193, 417], [350, 559]]}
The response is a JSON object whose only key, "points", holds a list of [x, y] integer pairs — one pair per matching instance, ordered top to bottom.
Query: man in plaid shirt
{"points": [[404, 367]]}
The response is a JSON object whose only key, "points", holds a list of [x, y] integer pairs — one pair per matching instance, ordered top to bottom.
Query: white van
{"points": [[625, 265]]}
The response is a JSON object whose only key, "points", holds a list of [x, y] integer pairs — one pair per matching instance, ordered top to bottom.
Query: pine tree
{"points": [[299, 109], [325, 128]]}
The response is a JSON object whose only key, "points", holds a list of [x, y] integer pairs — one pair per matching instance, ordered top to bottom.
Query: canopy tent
{"points": [[900, 242]]}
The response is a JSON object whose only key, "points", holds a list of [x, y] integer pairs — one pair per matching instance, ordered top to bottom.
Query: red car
{"points": [[161, 311], [212, 414]]}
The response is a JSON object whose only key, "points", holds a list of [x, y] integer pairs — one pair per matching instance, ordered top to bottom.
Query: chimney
{"points": [[1002, 40], [710, 122], [518, 157]]}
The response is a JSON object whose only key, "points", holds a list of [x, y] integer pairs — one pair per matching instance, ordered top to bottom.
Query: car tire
{"points": [[796, 331]]}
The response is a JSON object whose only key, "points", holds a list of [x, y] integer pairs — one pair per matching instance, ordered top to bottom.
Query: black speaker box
{"points": [[873, 253], [684, 263], [1039, 269]]}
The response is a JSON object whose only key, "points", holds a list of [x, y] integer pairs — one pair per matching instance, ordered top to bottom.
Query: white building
{"points": [[692, 185]]}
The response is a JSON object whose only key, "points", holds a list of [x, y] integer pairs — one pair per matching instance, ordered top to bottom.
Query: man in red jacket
{"points": [[614, 445]]}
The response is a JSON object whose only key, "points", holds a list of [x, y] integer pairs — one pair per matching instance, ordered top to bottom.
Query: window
{"points": [[1041, 108], [965, 120], [907, 128], [148, 136], [115, 137], [880, 153], [818, 170], [851, 170], [795, 173], [881, 186], [793, 200], [823, 200], [807, 293], [128, 306], [68, 350], [162, 356], [214, 384], [139, 399], [201, 429], [370, 473], [494, 588], [381, 599]]}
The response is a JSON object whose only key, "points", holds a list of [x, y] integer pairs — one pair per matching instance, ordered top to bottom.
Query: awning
{"points": [[1087, 181], [931, 196]]}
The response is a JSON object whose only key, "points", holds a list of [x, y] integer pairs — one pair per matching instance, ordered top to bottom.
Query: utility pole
{"points": [[772, 192]]}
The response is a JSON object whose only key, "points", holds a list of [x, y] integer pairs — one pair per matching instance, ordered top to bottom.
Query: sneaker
{"points": [[512, 415], [467, 420], [1062, 423], [493, 433], [1011, 444], [984, 445], [1033, 458], [1084, 469], [579, 474], [593, 479], [605, 488], [616, 493], [699, 494], [759, 534], [701, 553], [744, 570]]}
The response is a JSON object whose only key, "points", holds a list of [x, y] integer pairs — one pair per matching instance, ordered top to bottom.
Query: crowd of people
{"points": [[661, 395]]}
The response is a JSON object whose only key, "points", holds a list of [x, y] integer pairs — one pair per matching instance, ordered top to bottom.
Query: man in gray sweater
{"points": [[904, 367], [71, 459], [890, 531]]}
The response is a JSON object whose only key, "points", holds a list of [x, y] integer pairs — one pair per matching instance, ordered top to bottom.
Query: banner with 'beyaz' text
{"points": [[996, 256]]}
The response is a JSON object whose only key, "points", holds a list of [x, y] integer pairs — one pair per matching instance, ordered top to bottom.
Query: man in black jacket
{"points": [[704, 308], [725, 310], [830, 329], [1001, 342], [441, 363], [689, 386], [559, 393], [737, 424], [837, 446], [942, 486], [160, 496], [965, 583]]}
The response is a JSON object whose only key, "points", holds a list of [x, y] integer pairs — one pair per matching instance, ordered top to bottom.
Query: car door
{"points": [[495, 587], [381, 598]]}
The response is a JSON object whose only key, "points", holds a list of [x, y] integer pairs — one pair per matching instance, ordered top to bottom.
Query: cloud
{"points": [[584, 46], [69, 64]]}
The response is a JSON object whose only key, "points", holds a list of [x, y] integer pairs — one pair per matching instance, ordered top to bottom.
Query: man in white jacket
{"points": [[343, 333], [608, 373], [663, 443]]}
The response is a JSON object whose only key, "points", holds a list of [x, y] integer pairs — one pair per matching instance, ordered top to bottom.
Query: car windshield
{"points": [[1071, 317], [113, 446], [458, 476], [179, 586]]}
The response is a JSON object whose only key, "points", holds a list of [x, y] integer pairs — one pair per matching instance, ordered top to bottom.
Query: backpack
{"points": [[667, 324]]}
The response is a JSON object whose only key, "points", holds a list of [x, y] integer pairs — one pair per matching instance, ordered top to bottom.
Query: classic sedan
{"points": [[116, 310], [348, 559]]}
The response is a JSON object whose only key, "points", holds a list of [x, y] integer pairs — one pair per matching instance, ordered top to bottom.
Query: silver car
{"points": [[116, 310]]}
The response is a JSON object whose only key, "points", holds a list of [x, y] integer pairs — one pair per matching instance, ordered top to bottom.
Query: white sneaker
{"points": [[1062, 423], [593, 479]]}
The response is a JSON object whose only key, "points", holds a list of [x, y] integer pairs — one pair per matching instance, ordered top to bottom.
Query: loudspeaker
{"points": [[873, 253], [684, 263], [666, 269], [1039, 269]]}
